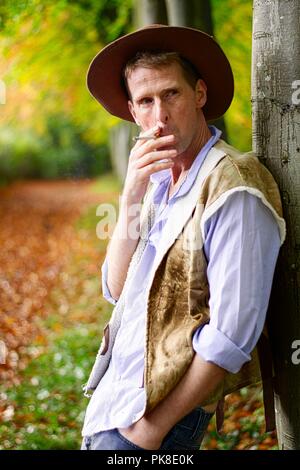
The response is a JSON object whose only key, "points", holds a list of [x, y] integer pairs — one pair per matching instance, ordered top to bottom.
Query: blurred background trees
{"points": [[50, 127]]}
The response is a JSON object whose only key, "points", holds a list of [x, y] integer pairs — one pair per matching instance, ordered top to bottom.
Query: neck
{"points": [[185, 160]]}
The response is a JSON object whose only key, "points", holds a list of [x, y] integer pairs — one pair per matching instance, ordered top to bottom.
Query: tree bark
{"points": [[276, 140]]}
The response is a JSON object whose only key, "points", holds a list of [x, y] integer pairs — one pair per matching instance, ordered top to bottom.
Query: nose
{"points": [[161, 112]]}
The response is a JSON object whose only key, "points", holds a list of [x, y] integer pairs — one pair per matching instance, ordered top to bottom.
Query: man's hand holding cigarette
{"points": [[151, 153]]}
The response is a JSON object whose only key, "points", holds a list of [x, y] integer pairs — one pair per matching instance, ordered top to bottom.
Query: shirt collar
{"points": [[164, 176]]}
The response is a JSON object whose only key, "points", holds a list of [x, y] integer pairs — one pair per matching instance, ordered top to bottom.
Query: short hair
{"points": [[158, 59]]}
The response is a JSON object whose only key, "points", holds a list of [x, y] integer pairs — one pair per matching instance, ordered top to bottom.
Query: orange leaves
{"points": [[37, 239], [243, 426]]}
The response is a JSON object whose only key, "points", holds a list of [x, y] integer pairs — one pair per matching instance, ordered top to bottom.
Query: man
{"points": [[192, 290]]}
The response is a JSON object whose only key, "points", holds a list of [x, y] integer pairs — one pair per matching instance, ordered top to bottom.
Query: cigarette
{"points": [[148, 137]]}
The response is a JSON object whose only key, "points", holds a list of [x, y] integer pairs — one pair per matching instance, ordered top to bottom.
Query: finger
{"points": [[153, 145], [155, 157], [148, 170]]}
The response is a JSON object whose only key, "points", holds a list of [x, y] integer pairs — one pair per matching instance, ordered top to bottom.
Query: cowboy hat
{"points": [[105, 74]]}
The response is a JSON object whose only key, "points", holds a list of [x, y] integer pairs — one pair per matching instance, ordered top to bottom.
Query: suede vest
{"points": [[179, 293]]}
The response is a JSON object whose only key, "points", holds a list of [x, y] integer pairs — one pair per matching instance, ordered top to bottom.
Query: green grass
{"points": [[107, 183], [109, 189], [49, 404]]}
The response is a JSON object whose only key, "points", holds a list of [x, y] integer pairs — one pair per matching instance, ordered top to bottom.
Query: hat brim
{"points": [[105, 81]]}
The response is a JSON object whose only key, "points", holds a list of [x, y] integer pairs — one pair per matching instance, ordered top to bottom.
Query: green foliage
{"points": [[110, 18], [233, 30], [58, 128], [62, 152], [71, 155], [18, 157], [106, 184], [49, 404]]}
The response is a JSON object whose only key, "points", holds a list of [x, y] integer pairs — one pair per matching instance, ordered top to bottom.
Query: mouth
{"points": [[165, 132]]}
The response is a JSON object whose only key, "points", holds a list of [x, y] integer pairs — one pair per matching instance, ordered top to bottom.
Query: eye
{"points": [[171, 93], [145, 101]]}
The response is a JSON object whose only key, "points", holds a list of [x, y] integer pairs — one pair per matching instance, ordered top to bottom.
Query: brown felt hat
{"points": [[105, 74]]}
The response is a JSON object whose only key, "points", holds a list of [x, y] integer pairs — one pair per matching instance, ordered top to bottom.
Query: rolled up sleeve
{"points": [[241, 245], [105, 290], [213, 346]]}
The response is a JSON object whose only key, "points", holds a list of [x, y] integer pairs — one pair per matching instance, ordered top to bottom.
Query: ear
{"points": [[201, 93], [132, 112]]}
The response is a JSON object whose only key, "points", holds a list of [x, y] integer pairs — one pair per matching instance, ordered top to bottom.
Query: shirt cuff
{"points": [[105, 290], [213, 346]]}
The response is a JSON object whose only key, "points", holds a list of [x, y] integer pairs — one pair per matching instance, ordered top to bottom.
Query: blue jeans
{"points": [[187, 434]]}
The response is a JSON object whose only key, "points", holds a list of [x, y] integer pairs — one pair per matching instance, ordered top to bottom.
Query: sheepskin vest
{"points": [[178, 300]]}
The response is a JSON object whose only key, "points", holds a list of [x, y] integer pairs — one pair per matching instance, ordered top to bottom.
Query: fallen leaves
{"points": [[37, 237], [244, 425]]}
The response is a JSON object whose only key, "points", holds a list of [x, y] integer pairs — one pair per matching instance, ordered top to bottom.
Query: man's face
{"points": [[163, 97]]}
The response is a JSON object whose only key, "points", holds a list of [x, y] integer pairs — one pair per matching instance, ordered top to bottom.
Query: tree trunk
{"points": [[149, 12], [195, 14], [276, 140], [120, 144]]}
